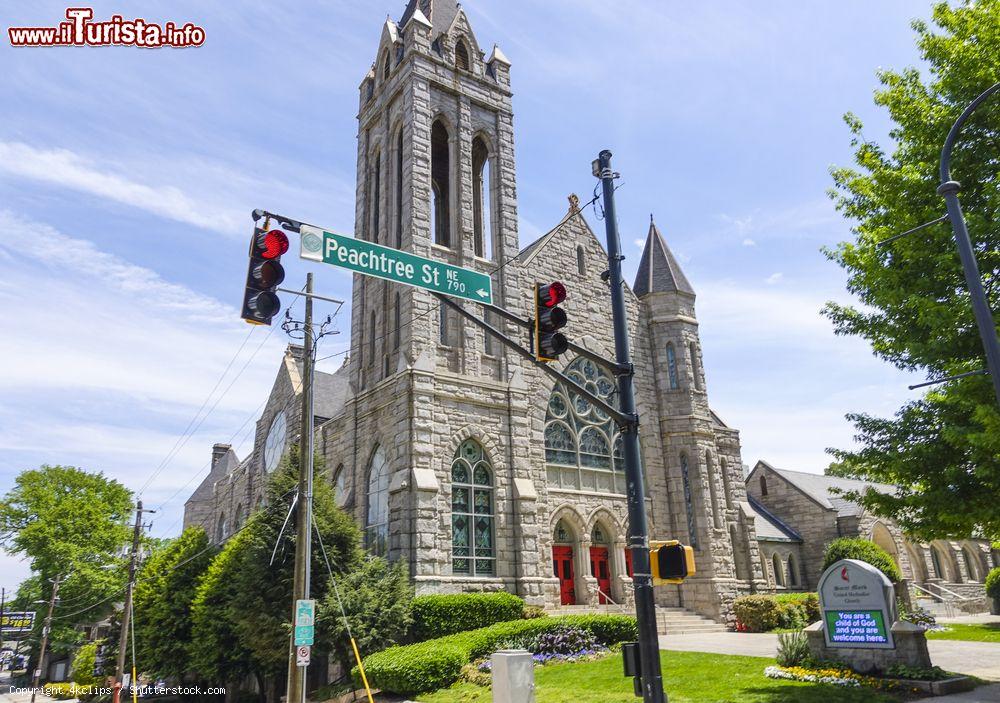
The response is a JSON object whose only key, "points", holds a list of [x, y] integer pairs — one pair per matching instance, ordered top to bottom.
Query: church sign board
{"points": [[394, 265], [857, 603]]}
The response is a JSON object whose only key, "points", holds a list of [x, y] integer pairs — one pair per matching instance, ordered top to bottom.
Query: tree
{"points": [[943, 450], [71, 524], [164, 591], [376, 599], [243, 606]]}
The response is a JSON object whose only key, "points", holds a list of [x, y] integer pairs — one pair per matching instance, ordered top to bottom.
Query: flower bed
{"points": [[835, 676]]}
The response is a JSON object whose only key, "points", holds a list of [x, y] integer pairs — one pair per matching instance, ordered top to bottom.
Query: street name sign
{"points": [[394, 265], [857, 602], [305, 621], [12, 622]]}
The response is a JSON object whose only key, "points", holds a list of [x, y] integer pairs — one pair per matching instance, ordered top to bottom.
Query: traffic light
{"points": [[264, 274], [549, 317], [670, 562]]}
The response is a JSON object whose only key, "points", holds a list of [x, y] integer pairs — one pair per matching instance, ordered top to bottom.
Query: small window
{"points": [[461, 55], [386, 65], [440, 185], [377, 197], [482, 211], [581, 264], [397, 323], [443, 323], [371, 340], [672, 366], [695, 366], [763, 485], [340, 486], [779, 573]]}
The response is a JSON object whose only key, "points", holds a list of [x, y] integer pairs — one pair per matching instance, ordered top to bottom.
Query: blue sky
{"points": [[127, 177]]}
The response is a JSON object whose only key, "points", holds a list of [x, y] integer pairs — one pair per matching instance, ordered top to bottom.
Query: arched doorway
{"points": [[883, 538], [562, 562], [600, 567]]}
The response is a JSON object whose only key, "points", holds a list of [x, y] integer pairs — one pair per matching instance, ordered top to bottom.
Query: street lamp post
{"points": [[980, 304]]}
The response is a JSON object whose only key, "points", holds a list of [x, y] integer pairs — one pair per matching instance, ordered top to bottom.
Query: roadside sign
{"points": [[391, 264], [858, 606], [305, 621], [12, 622], [302, 655]]}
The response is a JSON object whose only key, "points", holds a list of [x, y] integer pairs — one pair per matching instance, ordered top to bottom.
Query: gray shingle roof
{"points": [[441, 13], [658, 269], [330, 391], [820, 487], [770, 526]]}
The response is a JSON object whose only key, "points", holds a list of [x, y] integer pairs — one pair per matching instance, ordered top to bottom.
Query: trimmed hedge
{"points": [[862, 550], [992, 583], [766, 612], [439, 615], [433, 664]]}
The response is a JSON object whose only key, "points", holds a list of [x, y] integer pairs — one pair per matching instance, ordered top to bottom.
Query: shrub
{"points": [[862, 550], [993, 583], [808, 602], [534, 611], [756, 613], [439, 615], [793, 648], [436, 663], [82, 670], [60, 691]]}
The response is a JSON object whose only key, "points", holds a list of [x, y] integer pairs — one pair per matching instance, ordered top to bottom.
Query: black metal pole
{"points": [[980, 304], [642, 578]]}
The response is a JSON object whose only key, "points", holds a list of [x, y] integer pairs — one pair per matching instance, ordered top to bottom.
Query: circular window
{"points": [[274, 446]]}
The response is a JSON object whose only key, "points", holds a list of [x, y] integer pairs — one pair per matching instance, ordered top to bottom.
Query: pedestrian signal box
{"points": [[670, 562]]}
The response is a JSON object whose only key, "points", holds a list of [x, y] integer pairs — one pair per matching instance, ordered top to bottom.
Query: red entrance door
{"points": [[562, 567], [599, 570]]}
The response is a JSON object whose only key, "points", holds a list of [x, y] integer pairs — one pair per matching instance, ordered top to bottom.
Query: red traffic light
{"points": [[271, 245], [551, 294]]}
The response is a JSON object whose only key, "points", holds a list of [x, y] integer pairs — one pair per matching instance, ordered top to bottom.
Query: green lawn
{"points": [[981, 632], [690, 677]]}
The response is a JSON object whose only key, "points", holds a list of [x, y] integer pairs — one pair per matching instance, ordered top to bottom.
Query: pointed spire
{"points": [[440, 13], [659, 271]]}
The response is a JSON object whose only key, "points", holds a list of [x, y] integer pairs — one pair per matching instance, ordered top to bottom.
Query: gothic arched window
{"points": [[461, 55], [386, 65], [440, 184], [399, 189], [377, 197], [482, 206], [581, 261], [672, 366], [695, 367], [582, 446], [763, 485], [340, 486], [713, 491], [688, 503], [240, 517], [377, 518], [222, 529], [472, 551], [779, 573]]}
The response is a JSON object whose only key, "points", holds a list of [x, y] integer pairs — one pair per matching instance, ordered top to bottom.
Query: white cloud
{"points": [[67, 169], [749, 242], [639, 243], [774, 278], [112, 389]]}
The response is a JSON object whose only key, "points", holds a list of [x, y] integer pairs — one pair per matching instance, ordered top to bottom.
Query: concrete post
{"points": [[513, 676]]}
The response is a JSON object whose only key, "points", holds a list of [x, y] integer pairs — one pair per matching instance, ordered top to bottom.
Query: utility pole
{"points": [[980, 304], [642, 578], [127, 612], [37, 679], [296, 690]]}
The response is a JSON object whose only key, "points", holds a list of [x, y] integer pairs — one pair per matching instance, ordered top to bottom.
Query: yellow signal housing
{"points": [[670, 561]]}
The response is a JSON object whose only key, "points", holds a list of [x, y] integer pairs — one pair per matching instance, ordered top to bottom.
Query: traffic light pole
{"points": [[645, 609], [127, 613], [296, 691]]}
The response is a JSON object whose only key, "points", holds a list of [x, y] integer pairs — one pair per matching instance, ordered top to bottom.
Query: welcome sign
{"points": [[858, 602]]}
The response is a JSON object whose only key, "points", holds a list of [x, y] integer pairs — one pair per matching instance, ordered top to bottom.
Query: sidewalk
{"points": [[980, 659]]}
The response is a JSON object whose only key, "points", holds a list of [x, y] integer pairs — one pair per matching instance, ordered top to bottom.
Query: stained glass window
{"points": [[672, 367], [582, 445], [688, 507], [472, 510], [377, 519]]}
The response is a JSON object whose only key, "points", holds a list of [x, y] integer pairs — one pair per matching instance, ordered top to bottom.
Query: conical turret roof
{"points": [[659, 271]]}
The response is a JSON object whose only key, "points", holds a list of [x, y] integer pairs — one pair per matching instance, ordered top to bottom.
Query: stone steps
{"points": [[669, 620]]}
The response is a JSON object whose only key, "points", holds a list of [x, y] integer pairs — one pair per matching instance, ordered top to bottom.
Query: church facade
{"points": [[462, 460]]}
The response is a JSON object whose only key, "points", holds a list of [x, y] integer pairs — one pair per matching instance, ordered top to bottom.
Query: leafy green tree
{"points": [[942, 450], [70, 524], [164, 590], [376, 599], [82, 671]]}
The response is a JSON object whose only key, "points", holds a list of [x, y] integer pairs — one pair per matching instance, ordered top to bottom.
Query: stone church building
{"points": [[456, 456]]}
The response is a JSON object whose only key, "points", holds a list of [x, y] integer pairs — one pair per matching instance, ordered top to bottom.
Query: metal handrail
{"points": [[949, 592], [610, 599]]}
